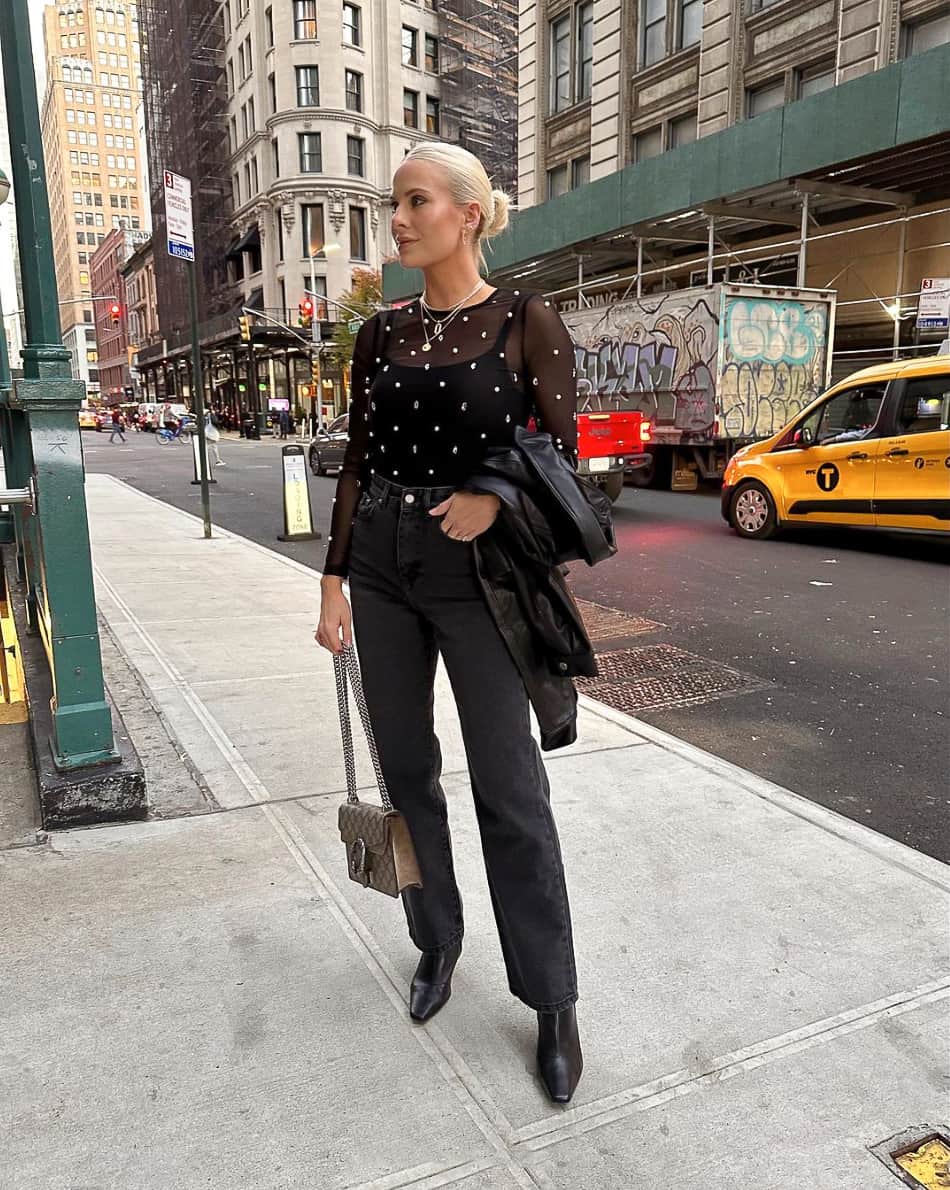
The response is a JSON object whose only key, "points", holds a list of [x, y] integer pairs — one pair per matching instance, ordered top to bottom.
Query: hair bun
{"points": [[498, 220]]}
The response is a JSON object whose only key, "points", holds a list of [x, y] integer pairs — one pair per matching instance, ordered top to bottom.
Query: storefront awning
{"points": [[250, 239]]}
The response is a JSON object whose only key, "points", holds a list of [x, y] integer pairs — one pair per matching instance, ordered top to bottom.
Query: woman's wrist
{"points": [[332, 582]]}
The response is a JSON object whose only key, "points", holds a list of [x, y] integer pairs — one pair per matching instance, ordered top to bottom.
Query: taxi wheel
{"points": [[752, 512]]}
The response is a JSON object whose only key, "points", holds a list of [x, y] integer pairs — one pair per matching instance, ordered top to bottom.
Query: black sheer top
{"points": [[424, 417]]}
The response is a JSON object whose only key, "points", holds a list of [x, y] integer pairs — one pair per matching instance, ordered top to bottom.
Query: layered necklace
{"points": [[440, 324]]}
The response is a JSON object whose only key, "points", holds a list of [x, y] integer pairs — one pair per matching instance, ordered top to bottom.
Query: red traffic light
{"points": [[306, 306], [115, 312]]}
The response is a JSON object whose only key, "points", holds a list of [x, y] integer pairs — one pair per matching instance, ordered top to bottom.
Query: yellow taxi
{"points": [[88, 419], [874, 450]]}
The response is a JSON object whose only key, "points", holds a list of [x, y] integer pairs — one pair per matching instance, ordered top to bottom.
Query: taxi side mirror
{"points": [[803, 436]]}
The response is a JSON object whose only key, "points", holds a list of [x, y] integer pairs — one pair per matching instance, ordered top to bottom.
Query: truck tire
{"points": [[659, 472], [613, 486], [752, 511]]}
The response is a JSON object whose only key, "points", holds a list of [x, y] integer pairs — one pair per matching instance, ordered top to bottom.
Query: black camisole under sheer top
{"points": [[426, 406]]}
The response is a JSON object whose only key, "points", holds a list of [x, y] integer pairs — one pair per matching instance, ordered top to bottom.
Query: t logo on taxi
{"points": [[827, 477]]}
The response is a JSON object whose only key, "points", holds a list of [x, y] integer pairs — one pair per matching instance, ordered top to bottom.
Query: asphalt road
{"points": [[843, 635]]}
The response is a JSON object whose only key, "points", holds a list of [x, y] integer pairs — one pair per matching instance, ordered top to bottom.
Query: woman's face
{"points": [[426, 224]]}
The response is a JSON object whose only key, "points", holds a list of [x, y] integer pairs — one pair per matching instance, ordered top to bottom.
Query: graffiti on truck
{"points": [[658, 355], [773, 362]]}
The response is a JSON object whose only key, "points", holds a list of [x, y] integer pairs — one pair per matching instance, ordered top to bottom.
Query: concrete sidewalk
{"points": [[207, 1001]]}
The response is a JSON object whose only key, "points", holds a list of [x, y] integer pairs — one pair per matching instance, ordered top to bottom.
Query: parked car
{"points": [[103, 419], [327, 449], [874, 450]]}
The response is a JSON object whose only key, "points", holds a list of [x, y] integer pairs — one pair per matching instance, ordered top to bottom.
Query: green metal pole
{"points": [[197, 389], [48, 399]]}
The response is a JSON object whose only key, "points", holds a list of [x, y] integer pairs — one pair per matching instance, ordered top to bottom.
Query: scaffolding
{"points": [[478, 42], [186, 132]]}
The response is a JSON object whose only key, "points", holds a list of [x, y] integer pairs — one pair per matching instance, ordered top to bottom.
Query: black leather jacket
{"points": [[548, 516]]}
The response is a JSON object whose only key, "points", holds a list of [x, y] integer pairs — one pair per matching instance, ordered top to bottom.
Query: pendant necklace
{"points": [[442, 323]]}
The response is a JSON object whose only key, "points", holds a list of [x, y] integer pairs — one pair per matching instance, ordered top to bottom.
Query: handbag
{"points": [[379, 850]]}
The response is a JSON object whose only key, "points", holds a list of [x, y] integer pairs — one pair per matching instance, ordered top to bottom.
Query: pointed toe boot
{"points": [[432, 983], [560, 1061]]}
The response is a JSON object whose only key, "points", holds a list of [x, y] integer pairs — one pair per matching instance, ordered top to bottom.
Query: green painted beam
{"points": [[905, 102]]}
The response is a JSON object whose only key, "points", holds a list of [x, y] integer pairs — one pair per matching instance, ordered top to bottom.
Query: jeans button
{"points": [[410, 498]]}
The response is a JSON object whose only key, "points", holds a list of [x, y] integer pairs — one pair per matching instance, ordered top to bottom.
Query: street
{"points": [[817, 661]]}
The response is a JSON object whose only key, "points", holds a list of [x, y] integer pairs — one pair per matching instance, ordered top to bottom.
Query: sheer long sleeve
{"points": [[550, 374], [353, 471]]}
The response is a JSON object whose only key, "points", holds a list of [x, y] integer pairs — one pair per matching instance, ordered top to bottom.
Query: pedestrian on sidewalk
{"points": [[435, 386], [283, 420], [117, 427]]}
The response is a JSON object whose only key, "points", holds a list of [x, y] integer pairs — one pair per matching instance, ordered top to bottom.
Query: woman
{"points": [[435, 384]]}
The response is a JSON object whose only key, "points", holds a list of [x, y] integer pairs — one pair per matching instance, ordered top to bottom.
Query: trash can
{"points": [[250, 426], [261, 426]]}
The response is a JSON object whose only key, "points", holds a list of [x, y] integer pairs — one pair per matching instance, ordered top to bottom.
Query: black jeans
{"points": [[415, 594]]}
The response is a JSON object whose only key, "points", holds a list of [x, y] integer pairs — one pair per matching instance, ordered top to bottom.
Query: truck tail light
{"points": [[646, 432]]}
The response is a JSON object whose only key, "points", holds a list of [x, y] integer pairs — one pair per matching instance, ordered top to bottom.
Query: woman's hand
{"points": [[467, 514], [336, 619]]}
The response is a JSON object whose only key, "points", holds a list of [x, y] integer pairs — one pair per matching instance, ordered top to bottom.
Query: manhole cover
{"points": [[607, 623], [655, 676], [919, 1157]]}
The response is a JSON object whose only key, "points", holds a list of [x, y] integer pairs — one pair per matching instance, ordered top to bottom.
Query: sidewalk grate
{"points": [[607, 623], [653, 677]]}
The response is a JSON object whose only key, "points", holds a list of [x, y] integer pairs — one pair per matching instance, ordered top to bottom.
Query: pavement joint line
{"points": [[899, 855], [474, 1098], [623, 1104], [428, 1176]]}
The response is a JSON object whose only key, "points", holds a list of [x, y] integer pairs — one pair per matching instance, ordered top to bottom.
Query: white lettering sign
{"points": [[178, 219]]}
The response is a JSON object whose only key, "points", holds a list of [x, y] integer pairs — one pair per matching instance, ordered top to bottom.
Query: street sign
{"points": [[178, 220], [933, 308], [354, 326], [298, 521]]}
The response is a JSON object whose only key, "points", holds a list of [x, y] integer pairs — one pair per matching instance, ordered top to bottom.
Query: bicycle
{"points": [[163, 435]]}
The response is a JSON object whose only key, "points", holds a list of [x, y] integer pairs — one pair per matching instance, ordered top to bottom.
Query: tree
{"points": [[365, 297]]}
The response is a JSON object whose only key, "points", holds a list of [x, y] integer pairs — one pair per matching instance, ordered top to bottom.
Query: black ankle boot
{"points": [[432, 983], [560, 1061]]}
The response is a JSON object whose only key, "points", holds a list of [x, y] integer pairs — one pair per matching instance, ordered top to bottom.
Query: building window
{"points": [[758, 5], [305, 20], [690, 20], [352, 25], [269, 27], [654, 31], [925, 35], [410, 46], [585, 49], [432, 54], [560, 63], [815, 79], [308, 86], [354, 90], [272, 92], [764, 99], [410, 109], [432, 116], [683, 130], [647, 144], [311, 152], [355, 156], [275, 158], [580, 172], [557, 181], [311, 224], [357, 233]]}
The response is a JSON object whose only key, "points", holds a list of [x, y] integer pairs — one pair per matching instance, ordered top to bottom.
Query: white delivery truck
{"points": [[710, 368]]}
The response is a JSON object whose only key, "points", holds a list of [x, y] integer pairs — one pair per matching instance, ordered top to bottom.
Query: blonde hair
{"points": [[468, 182]]}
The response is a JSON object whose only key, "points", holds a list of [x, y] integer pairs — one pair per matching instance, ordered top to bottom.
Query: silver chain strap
{"points": [[345, 665]]}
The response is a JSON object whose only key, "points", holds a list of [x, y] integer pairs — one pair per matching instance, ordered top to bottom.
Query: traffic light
{"points": [[306, 312], [115, 313], [244, 325], [315, 370]]}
